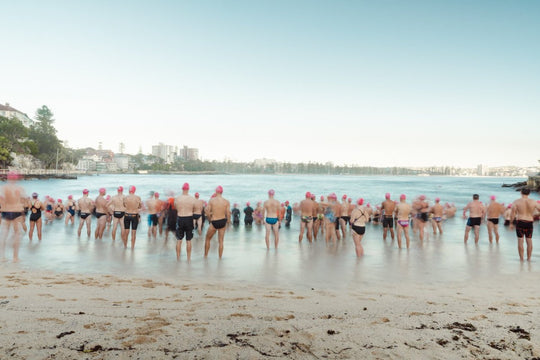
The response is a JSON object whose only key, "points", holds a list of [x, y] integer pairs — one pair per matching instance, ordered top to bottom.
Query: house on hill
{"points": [[9, 112]]}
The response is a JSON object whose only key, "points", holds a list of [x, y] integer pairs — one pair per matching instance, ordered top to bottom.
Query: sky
{"points": [[374, 83]]}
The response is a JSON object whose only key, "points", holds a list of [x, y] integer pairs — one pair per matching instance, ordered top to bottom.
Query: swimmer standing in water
{"points": [[116, 205], [133, 205], [12, 206], [85, 206], [185, 206], [388, 206], [307, 207], [271, 209], [70, 210], [102, 210], [403, 211], [522, 211], [493, 212], [197, 214], [219, 214], [476, 214], [359, 217], [436, 221]]}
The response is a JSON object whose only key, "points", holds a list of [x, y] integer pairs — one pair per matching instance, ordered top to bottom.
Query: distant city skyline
{"points": [[416, 83]]}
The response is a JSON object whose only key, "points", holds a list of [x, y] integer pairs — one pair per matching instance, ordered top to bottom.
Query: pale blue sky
{"points": [[357, 82]]}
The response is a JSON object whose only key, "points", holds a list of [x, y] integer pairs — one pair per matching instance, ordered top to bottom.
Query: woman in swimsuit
{"points": [[36, 207], [59, 209], [258, 214], [359, 217]]}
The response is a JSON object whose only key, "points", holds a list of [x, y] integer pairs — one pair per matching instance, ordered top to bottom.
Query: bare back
{"points": [[133, 204], [185, 205], [271, 207], [307, 207], [218, 208], [524, 209]]}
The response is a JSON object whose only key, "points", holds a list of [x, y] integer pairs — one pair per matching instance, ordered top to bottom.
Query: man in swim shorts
{"points": [[11, 202], [116, 205], [133, 205], [185, 205], [153, 206], [85, 207], [102, 211], [387, 211], [403, 211], [493, 211], [522, 211], [218, 212], [476, 213], [270, 214], [306, 217], [344, 218], [436, 221]]}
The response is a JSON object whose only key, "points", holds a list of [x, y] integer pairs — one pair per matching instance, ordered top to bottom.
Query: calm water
{"points": [[437, 259]]}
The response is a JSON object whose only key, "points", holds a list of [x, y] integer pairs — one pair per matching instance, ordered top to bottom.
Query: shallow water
{"points": [[436, 260]]}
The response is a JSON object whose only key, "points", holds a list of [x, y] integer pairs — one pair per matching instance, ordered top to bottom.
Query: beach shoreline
{"points": [[66, 316]]}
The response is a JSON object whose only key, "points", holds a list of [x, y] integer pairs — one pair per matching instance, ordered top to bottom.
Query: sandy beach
{"points": [[65, 316]]}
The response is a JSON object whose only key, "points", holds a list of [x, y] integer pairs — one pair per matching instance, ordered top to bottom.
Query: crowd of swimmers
{"points": [[184, 214]]}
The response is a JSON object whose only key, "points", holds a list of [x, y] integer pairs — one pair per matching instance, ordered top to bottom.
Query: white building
{"points": [[9, 112], [165, 152], [189, 153], [122, 161], [482, 170]]}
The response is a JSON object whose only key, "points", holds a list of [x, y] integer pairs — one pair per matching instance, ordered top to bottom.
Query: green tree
{"points": [[43, 133], [14, 139]]}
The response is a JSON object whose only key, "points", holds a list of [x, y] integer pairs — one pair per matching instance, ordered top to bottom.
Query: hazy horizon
{"points": [[409, 84]]}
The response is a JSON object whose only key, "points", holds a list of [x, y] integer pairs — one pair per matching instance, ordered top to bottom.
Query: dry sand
{"points": [[59, 316]]}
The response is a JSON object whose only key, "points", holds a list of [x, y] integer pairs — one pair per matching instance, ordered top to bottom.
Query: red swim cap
{"points": [[185, 186], [120, 188], [132, 189], [219, 189], [102, 190], [85, 191], [271, 192], [156, 194], [197, 195], [308, 195], [387, 195], [344, 196], [69, 197], [402, 197], [492, 197], [437, 199], [59, 200], [360, 201], [247, 204]]}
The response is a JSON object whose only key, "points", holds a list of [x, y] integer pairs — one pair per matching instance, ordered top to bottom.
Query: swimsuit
{"points": [[71, 210], [58, 212], [36, 213], [98, 214], [119, 214], [172, 214], [11, 215], [84, 215], [196, 216], [423, 216], [248, 218], [437, 218], [153, 219], [306, 219], [346, 219], [131, 221], [271, 221], [474, 221], [495, 221], [388, 222], [403, 223], [219, 224], [184, 227], [524, 228], [360, 230]]}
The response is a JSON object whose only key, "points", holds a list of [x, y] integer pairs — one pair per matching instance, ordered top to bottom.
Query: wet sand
{"points": [[70, 316]]}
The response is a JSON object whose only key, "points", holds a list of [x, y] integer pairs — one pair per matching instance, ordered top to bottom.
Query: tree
{"points": [[43, 133], [14, 140]]}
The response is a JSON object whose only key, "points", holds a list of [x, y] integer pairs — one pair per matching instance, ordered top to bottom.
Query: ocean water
{"points": [[437, 259]]}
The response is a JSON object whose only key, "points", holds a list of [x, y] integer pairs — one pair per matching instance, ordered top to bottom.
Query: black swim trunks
{"points": [[58, 213], [98, 214], [119, 214], [11, 215], [84, 215], [196, 216], [424, 216], [153, 219], [346, 219], [131, 221], [474, 221], [495, 221], [388, 222], [219, 224], [184, 227], [524, 228], [360, 230]]}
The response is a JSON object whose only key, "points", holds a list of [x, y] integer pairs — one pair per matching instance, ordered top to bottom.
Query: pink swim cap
{"points": [[185, 186], [120, 188], [132, 189], [219, 189], [102, 190], [85, 191], [271, 192], [156, 194], [197, 195], [308, 195], [387, 195], [344, 196], [69, 197], [108, 197], [402, 197], [422, 197], [492, 197], [322, 198], [437, 199], [59, 200], [350, 200], [360, 201], [287, 202], [247, 204], [368, 205]]}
